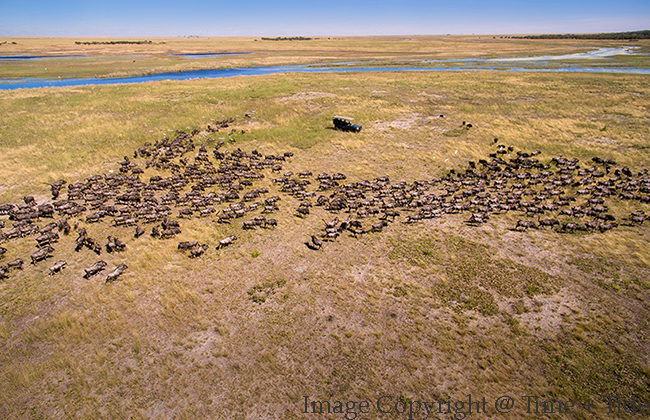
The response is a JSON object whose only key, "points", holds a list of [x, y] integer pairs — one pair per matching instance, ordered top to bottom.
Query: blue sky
{"points": [[317, 18]]}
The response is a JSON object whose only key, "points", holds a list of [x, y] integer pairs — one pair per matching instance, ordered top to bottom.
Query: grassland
{"points": [[422, 312]]}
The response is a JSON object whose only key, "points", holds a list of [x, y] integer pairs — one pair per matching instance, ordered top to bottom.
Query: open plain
{"points": [[439, 280]]}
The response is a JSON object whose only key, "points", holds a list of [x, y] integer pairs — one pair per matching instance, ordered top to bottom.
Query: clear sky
{"points": [[317, 18]]}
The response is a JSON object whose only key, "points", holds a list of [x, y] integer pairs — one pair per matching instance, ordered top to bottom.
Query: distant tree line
{"points": [[612, 35], [287, 38], [111, 42]]}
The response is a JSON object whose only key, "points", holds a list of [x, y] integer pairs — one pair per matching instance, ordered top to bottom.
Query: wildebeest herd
{"points": [[236, 187]]}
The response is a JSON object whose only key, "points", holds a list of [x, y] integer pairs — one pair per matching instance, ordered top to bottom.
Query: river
{"points": [[533, 64]]}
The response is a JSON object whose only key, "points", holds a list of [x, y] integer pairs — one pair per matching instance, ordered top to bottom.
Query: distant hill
{"points": [[611, 35]]}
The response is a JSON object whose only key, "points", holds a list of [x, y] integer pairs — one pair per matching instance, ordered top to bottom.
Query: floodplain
{"points": [[421, 309]]}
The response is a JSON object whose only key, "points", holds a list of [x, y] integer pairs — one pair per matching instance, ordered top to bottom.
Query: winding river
{"points": [[533, 64]]}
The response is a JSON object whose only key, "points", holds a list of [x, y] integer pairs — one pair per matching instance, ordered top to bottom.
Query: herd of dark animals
{"points": [[562, 194]]}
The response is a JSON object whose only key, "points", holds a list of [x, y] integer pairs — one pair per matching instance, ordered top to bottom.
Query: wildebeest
{"points": [[5, 209], [270, 209], [302, 210], [186, 212], [224, 218], [477, 218], [548, 222], [167, 223], [249, 224], [331, 224], [525, 224], [607, 226], [378, 227], [571, 227], [47, 228], [169, 233], [47, 238], [226, 241], [314, 243], [91, 244], [114, 244], [187, 245], [198, 251], [41, 254], [17, 264], [58, 266], [94, 269], [116, 273]]}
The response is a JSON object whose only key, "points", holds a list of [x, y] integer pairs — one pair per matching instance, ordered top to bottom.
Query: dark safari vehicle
{"points": [[344, 124]]}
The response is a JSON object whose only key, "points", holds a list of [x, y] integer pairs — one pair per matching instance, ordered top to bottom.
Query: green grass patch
{"points": [[260, 292]]}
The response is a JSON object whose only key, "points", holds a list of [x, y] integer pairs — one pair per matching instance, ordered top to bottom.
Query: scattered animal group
{"points": [[190, 181], [560, 194]]}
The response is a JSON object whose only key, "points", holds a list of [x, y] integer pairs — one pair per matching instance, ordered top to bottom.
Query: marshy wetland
{"points": [[449, 277]]}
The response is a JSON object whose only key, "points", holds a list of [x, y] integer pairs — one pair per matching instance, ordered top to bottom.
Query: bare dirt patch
{"points": [[432, 95], [306, 96], [403, 122], [600, 141], [547, 313]]}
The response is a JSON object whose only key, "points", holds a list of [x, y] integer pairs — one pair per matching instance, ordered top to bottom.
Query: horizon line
{"points": [[322, 36]]}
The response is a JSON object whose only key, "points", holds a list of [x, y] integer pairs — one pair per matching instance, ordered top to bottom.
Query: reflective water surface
{"points": [[533, 64]]}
